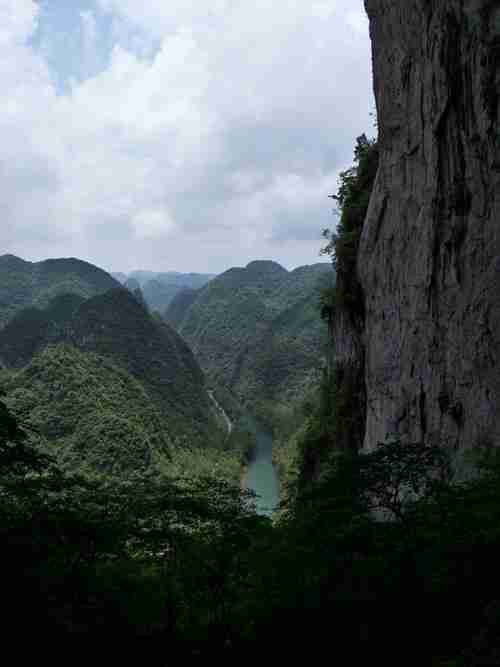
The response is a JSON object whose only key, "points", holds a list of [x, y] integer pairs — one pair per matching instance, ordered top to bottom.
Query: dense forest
{"points": [[385, 543]]}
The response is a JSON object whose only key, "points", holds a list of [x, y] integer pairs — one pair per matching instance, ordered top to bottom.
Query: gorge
{"points": [[361, 395]]}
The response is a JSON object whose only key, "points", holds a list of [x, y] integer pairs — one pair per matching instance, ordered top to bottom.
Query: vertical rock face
{"points": [[429, 259]]}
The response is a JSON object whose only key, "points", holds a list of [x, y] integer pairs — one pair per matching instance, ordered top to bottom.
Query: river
{"points": [[261, 476]]}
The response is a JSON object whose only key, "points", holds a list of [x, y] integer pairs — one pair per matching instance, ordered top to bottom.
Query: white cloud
{"points": [[17, 21], [358, 21], [223, 122], [152, 224]]}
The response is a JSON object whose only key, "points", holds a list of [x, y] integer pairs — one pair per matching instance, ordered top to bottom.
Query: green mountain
{"points": [[24, 284], [179, 306], [116, 325], [32, 329], [257, 331], [106, 386], [89, 413]]}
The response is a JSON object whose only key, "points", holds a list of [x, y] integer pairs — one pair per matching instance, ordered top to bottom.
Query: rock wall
{"points": [[429, 259]]}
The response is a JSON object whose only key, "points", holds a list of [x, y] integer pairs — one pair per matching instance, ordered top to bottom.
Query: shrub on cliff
{"points": [[353, 198]]}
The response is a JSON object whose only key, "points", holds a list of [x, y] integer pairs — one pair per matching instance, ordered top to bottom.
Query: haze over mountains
{"points": [[159, 288]]}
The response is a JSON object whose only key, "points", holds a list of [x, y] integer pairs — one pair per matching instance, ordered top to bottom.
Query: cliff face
{"points": [[429, 259]]}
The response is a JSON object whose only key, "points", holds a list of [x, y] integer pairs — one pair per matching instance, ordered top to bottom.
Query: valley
{"points": [[256, 332], [89, 371], [248, 457]]}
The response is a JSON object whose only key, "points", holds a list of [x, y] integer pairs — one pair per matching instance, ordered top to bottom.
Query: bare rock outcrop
{"points": [[429, 259]]}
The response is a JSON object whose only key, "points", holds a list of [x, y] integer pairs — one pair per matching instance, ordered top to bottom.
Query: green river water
{"points": [[261, 477]]}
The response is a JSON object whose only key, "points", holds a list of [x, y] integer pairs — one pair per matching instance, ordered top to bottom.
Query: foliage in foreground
{"points": [[384, 546]]}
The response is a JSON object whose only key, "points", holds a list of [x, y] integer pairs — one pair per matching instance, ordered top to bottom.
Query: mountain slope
{"points": [[24, 284], [160, 290], [158, 294], [179, 307], [116, 325], [32, 329], [257, 331], [101, 379], [90, 414]]}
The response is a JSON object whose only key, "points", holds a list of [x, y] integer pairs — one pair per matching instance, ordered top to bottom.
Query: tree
{"points": [[352, 198], [15, 455]]}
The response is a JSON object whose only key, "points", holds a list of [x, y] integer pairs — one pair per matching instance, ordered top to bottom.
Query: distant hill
{"points": [[120, 277], [142, 277], [192, 280], [25, 284], [132, 284], [160, 288], [158, 295], [257, 331]]}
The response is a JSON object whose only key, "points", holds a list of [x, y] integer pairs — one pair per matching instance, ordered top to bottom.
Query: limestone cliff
{"points": [[429, 259]]}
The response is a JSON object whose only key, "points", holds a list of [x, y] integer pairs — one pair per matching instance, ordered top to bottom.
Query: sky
{"points": [[188, 135]]}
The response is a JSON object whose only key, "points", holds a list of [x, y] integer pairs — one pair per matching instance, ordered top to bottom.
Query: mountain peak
{"points": [[12, 260], [266, 265], [24, 284]]}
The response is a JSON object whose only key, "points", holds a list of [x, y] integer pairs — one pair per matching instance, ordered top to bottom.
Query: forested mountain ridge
{"points": [[24, 284], [116, 325], [32, 329], [257, 331], [121, 351], [90, 414]]}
